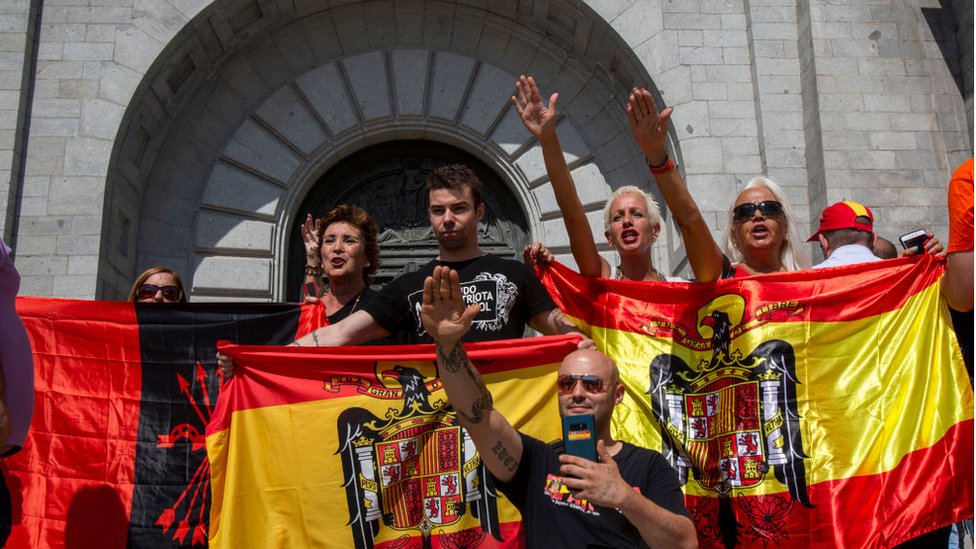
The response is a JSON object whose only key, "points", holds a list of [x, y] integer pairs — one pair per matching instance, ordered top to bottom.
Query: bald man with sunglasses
{"points": [[629, 498]]}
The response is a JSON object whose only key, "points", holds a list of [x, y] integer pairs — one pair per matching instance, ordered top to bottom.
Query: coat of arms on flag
{"points": [[731, 417], [415, 468]]}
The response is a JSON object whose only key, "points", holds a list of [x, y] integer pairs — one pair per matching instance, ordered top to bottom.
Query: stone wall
{"points": [[139, 115]]}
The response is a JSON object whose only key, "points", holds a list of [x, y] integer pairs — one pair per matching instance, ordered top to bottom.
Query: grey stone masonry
{"points": [[188, 133]]}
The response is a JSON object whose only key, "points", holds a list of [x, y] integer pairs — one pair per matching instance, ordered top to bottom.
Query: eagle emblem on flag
{"points": [[730, 418], [415, 469]]}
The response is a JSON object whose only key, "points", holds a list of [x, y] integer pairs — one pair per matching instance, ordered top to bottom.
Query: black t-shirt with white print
{"points": [[509, 294], [551, 517]]}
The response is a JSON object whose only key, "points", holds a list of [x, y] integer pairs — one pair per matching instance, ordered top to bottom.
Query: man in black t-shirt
{"points": [[510, 295], [629, 498]]}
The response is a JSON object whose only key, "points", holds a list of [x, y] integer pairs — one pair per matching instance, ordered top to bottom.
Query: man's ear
{"points": [[481, 211], [824, 245], [618, 393]]}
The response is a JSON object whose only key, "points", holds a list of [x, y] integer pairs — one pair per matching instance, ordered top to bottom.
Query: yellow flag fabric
{"points": [[821, 408], [358, 447]]}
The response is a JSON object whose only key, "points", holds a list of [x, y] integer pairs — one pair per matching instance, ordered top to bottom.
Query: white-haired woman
{"points": [[631, 218], [761, 233]]}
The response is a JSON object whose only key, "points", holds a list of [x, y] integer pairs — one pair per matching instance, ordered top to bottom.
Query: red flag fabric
{"points": [[115, 455]]}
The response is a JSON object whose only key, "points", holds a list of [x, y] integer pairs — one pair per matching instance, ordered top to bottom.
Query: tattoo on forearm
{"points": [[315, 338], [454, 361], [502, 453]]}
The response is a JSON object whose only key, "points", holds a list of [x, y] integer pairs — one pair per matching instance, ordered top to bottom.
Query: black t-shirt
{"points": [[509, 294], [357, 304], [360, 304], [551, 517]]}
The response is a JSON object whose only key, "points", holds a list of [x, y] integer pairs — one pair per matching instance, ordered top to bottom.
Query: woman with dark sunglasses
{"points": [[761, 234], [158, 285]]}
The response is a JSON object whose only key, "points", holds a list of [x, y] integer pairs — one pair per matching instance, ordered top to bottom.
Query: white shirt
{"points": [[848, 254]]}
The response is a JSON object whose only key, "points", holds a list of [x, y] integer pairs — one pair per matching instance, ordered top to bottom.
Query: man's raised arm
{"points": [[446, 319]]}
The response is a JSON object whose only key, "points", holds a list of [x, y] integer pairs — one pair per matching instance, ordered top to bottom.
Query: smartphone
{"points": [[913, 239], [579, 436]]}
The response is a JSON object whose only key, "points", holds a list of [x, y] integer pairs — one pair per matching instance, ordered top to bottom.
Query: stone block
{"points": [[110, 14], [692, 21], [733, 21], [638, 23], [775, 31], [62, 32], [99, 33], [692, 38], [135, 49], [50, 51], [87, 51], [705, 55], [771, 66], [49, 70], [409, 70], [728, 73], [450, 74], [367, 77], [118, 83], [675, 85], [78, 89], [324, 90], [710, 91], [487, 98], [732, 109], [287, 114], [100, 118], [692, 119], [782, 121], [867, 121], [54, 127], [735, 127], [509, 134], [845, 140], [899, 141], [255, 147], [702, 155], [87, 156], [231, 187], [75, 195], [217, 230], [78, 244], [36, 245], [82, 265], [235, 273], [41, 286], [73, 286]]}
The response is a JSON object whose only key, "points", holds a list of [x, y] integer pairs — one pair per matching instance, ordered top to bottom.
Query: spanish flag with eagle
{"points": [[819, 408], [358, 447]]}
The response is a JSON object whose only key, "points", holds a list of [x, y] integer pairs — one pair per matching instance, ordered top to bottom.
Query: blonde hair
{"points": [[653, 210], [791, 252]]}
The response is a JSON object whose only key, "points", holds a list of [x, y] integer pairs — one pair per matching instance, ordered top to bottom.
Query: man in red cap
{"points": [[846, 235]]}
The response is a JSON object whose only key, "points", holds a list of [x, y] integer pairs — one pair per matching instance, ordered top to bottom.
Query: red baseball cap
{"points": [[843, 215]]}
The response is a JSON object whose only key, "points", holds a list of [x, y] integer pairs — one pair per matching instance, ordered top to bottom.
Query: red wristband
{"points": [[663, 168]]}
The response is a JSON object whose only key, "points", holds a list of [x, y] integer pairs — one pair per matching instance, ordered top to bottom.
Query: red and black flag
{"points": [[116, 453]]}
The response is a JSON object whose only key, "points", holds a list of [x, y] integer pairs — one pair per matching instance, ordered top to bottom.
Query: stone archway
{"points": [[252, 103]]}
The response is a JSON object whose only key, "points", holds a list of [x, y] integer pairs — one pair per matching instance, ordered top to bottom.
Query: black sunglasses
{"points": [[768, 208], [148, 291], [591, 383]]}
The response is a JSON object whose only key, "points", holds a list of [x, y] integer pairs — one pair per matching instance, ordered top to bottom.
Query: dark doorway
{"points": [[387, 180]]}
